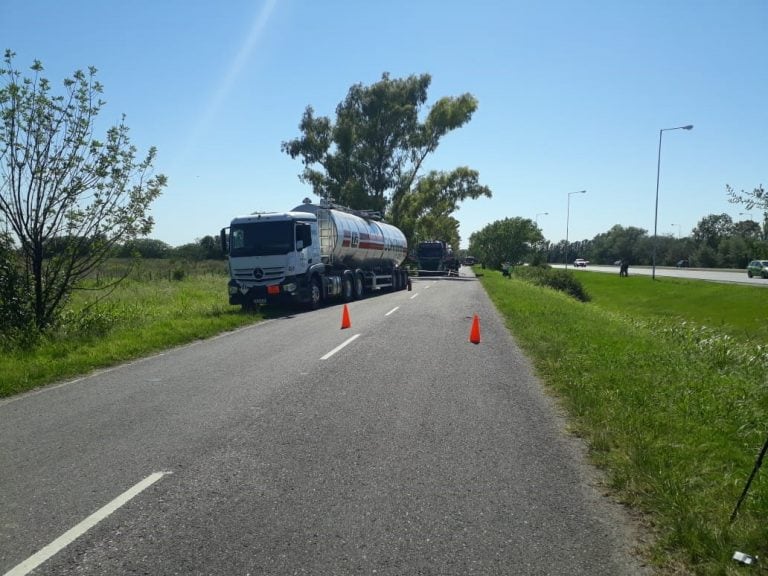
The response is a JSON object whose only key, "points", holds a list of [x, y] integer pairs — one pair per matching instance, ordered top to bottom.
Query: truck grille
{"points": [[259, 275]]}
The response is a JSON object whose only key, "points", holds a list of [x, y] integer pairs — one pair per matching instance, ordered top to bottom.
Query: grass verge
{"points": [[138, 318], [673, 410]]}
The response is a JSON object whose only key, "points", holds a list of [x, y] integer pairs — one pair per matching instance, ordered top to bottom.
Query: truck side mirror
{"points": [[223, 240]]}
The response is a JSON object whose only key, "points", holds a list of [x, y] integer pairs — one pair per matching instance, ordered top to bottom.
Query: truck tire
{"points": [[347, 287], [359, 287], [315, 294]]}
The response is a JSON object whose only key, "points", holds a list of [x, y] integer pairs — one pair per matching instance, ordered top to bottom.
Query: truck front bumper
{"points": [[287, 292]]}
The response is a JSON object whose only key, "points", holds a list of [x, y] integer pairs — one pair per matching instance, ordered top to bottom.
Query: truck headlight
{"points": [[290, 287]]}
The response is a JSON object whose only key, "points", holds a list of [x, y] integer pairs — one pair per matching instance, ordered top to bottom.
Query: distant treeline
{"points": [[716, 242], [205, 248]]}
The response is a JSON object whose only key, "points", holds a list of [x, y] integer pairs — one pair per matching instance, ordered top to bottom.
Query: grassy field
{"points": [[739, 311], [665, 381]]}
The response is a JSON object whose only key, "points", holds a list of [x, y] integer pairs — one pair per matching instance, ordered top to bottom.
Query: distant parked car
{"points": [[580, 263], [682, 263], [758, 268]]}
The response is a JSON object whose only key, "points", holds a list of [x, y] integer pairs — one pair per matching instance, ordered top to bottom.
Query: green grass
{"points": [[738, 310], [138, 318], [668, 390]]}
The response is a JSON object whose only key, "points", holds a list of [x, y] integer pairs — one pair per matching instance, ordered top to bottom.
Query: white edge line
{"points": [[414, 296], [391, 311], [340, 346], [74, 533]]}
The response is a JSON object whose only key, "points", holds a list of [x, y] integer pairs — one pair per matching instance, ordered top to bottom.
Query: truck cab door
{"points": [[303, 233]]}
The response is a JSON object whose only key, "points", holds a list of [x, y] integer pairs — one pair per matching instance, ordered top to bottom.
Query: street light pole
{"points": [[656, 212], [568, 221], [538, 244]]}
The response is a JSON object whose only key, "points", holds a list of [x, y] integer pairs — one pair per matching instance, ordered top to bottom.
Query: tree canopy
{"points": [[370, 157], [756, 198], [426, 213], [713, 228], [508, 240], [620, 243]]}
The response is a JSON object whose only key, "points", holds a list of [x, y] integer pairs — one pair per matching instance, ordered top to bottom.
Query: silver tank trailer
{"points": [[349, 239]]}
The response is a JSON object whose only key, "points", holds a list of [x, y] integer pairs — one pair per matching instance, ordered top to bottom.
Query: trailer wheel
{"points": [[403, 279], [395, 280], [358, 286], [347, 288], [315, 294]]}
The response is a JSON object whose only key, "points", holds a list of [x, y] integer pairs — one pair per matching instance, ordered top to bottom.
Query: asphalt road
{"points": [[270, 450]]}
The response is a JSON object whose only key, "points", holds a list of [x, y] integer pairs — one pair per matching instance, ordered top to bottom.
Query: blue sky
{"points": [[572, 95]]}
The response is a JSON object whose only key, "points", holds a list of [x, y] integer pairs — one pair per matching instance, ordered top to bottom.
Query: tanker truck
{"points": [[312, 254], [436, 257]]}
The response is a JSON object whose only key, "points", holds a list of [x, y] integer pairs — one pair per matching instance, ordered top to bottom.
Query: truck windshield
{"points": [[261, 238]]}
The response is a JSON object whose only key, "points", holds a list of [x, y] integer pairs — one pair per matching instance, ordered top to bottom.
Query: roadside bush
{"points": [[560, 280], [16, 318], [89, 323]]}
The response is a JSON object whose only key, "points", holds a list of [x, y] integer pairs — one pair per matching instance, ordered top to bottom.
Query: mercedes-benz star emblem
{"points": [[258, 273]]}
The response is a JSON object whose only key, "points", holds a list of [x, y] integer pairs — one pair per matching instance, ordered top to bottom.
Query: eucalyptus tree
{"points": [[371, 156], [427, 212]]}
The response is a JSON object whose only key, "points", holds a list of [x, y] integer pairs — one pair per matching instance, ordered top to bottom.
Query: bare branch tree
{"points": [[61, 187]]}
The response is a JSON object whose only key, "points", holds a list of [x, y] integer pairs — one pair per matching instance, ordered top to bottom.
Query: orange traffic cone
{"points": [[345, 323], [474, 334]]}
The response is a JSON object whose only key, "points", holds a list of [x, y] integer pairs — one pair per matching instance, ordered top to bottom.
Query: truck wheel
{"points": [[396, 280], [403, 280], [358, 286], [347, 287], [316, 294]]}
